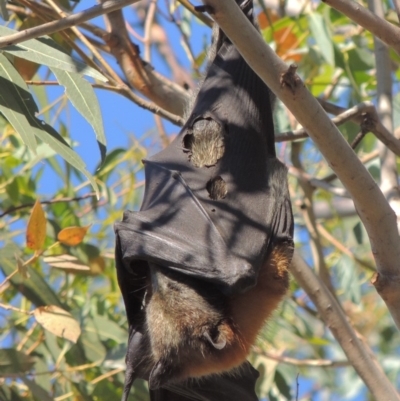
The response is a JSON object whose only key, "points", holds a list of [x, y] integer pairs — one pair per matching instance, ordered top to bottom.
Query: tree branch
{"points": [[207, 21], [64, 23], [382, 29], [139, 74], [290, 89], [316, 183], [48, 202], [356, 351], [318, 363]]}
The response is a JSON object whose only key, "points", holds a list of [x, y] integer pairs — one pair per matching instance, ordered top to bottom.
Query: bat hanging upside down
{"points": [[205, 261]]}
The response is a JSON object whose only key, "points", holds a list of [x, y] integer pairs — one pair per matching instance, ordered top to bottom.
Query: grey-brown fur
{"points": [[205, 143], [185, 322]]}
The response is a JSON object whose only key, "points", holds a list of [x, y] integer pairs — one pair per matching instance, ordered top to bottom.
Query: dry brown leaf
{"points": [[69, 263], [58, 321]]}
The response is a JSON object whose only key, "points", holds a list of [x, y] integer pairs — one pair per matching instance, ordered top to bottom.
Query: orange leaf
{"points": [[285, 39], [36, 230], [72, 235]]}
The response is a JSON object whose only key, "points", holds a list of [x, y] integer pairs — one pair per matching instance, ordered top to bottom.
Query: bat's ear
{"points": [[218, 343], [161, 374]]}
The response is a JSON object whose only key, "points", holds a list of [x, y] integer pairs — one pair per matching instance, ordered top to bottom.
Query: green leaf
{"points": [[322, 37], [45, 51], [360, 59], [82, 96], [10, 104], [42, 130], [110, 162], [358, 232], [35, 288], [107, 329], [89, 343], [14, 362], [43, 380], [282, 385], [10, 394], [39, 394]]}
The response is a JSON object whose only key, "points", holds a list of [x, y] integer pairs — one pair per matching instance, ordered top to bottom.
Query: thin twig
{"points": [[46, 14], [202, 17], [64, 23], [381, 28], [147, 30], [111, 72], [141, 75], [125, 91], [316, 183], [47, 202], [310, 221], [337, 244], [9, 277], [13, 308], [318, 363], [106, 375]]}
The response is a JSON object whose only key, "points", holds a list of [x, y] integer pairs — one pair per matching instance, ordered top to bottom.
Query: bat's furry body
{"points": [[205, 262], [195, 330]]}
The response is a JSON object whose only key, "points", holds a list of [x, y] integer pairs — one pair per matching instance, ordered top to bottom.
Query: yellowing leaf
{"points": [[36, 230], [72, 235], [97, 265], [58, 321]]}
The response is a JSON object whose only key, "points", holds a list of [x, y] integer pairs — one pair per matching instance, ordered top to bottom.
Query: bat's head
{"points": [[189, 329]]}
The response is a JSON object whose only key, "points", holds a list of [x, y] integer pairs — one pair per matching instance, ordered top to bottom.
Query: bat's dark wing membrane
{"points": [[182, 225]]}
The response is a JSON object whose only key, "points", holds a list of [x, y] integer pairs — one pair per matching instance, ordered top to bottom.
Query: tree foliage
{"points": [[63, 328]]}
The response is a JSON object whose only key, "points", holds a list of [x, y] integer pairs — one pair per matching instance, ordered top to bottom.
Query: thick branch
{"points": [[64, 23], [382, 29], [141, 75], [291, 90], [387, 287], [357, 352]]}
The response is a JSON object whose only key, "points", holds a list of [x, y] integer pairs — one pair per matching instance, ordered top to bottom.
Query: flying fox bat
{"points": [[204, 262]]}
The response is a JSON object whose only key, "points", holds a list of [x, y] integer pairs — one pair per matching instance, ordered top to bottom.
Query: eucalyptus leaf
{"points": [[322, 37], [45, 51], [82, 96], [10, 105], [42, 130], [35, 288], [107, 329], [14, 362], [38, 392]]}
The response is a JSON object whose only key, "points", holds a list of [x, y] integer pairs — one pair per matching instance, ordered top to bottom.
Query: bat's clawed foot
{"points": [[290, 79]]}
